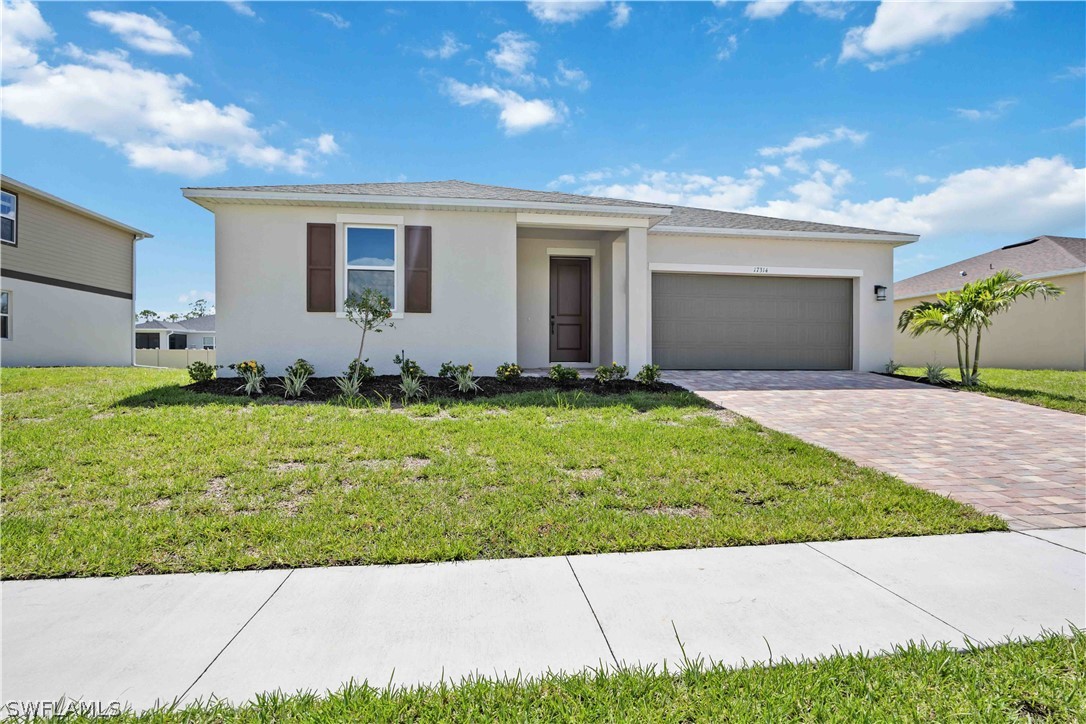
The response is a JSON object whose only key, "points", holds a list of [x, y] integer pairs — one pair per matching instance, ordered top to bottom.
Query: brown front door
{"points": [[571, 302]]}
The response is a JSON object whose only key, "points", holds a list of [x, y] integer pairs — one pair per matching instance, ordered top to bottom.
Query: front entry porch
{"points": [[578, 304]]}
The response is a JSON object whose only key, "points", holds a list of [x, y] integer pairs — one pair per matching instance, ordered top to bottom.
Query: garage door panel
{"points": [[705, 321]]}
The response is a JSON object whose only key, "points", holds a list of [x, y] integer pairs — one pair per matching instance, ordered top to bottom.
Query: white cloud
{"points": [[241, 8], [766, 9], [828, 9], [561, 11], [620, 15], [337, 20], [899, 27], [22, 29], [140, 31], [449, 47], [728, 48], [515, 54], [1072, 72], [566, 75], [990, 113], [517, 114], [149, 116], [1077, 123], [802, 143], [326, 144], [924, 179], [1008, 200], [192, 295]]}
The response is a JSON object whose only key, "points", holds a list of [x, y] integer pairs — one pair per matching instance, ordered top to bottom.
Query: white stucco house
{"points": [[489, 274]]}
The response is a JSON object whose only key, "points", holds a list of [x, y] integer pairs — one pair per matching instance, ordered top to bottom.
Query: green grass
{"points": [[1056, 389], [119, 471], [1013, 682]]}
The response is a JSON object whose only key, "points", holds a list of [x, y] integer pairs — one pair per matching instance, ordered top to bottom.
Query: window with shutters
{"points": [[371, 260]]}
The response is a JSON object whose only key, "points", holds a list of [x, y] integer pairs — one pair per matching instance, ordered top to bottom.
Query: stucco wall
{"points": [[61, 244], [260, 256], [533, 299], [873, 321], [53, 326], [1033, 334]]}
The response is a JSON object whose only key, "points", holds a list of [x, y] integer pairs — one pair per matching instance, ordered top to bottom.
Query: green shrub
{"points": [[249, 365], [408, 367], [892, 368], [360, 369], [202, 371], [450, 371], [508, 372], [560, 373], [610, 373], [252, 374], [935, 374], [649, 375], [296, 380], [464, 381], [412, 388]]}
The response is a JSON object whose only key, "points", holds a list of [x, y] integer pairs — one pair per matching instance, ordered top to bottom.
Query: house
{"points": [[61, 265], [489, 274], [195, 333], [1034, 333]]}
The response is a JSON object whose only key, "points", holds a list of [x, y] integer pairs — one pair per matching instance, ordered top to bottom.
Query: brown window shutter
{"points": [[320, 268], [418, 268]]}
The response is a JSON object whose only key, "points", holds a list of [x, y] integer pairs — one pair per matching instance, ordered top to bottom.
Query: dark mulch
{"points": [[949, 384], [383, 386]]}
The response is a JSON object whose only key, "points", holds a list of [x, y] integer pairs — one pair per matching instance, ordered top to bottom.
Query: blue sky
{"points": [[963, 122]]}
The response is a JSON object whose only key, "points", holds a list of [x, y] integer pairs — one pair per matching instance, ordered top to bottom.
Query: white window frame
{"points": [[360, 221], [14, 225], [8, 313], [210, 344]]}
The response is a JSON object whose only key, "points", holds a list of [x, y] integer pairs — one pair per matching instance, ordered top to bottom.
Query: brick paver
{"points": [[1022, 462]]}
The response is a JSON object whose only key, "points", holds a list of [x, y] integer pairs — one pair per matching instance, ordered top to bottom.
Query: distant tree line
{"points": [[199, 308]]}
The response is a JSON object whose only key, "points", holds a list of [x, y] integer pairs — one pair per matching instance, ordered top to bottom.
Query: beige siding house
{"points": [[488, 274], [68, 275], [1034, 333]]}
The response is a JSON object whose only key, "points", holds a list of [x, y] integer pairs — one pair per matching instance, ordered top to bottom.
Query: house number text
{"points": [[761, 270]]}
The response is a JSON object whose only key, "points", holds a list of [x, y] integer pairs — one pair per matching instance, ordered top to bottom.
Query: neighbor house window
{"points": [[9, 209], [371, 260], [5, 315], [147, 340], [209, 343]]}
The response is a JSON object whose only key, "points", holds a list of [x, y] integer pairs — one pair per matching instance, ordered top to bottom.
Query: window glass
{"points": [[7, 203], [8, 206], [7, 232], [371, 247], [382, 281], [3, 302], [5, 320], [209, 342]]}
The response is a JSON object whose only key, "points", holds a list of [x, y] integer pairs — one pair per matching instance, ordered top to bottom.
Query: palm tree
{"points": [[966, 313]]}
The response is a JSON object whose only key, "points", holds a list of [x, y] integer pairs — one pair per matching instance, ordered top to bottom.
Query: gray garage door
{"points": [[711, 321]]}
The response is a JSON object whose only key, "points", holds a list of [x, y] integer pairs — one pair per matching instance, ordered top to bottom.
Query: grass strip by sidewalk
{"points": [[1036, 681]]}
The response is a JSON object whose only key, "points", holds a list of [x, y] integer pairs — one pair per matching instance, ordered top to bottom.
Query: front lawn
{"points": [[1056, 389], [120, 471], [1012, 682]]}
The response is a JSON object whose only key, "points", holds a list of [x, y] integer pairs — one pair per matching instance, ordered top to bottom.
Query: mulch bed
{"points": [[949, 384], [384, 386]]}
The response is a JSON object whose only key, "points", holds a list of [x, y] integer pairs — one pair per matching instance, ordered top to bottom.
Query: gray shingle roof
{"points": [[683, 216], [711, 219], [1040, 255], [205, 323]]}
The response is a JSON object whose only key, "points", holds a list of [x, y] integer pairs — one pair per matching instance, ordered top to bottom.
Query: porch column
{"points": [[637, 297]]}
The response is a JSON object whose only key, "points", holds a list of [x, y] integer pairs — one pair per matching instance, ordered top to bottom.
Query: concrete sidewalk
{"points": [[148, 639]]}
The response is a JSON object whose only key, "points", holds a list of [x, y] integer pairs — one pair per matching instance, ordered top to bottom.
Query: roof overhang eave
{"points": [[208, 197], [889, 238], [1040, 275]]}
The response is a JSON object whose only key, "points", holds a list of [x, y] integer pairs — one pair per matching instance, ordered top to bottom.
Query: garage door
{"points": [[711, 321]]}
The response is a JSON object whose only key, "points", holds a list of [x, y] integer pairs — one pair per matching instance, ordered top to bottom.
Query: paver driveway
{"points": [[1024, 463]]}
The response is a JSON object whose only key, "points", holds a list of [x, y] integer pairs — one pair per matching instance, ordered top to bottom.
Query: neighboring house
{"points": [[489, 274], [68, 275], [195, 333], [1032, 334]]}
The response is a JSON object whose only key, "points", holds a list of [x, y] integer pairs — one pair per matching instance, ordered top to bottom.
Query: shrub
{"points": [[249, 365], [408, 367], [892, 368], [361, 369], [202, 371], [450, 371], [252, 372], [508, 372], [560, 373], [610, 373], [935, 374], [648, 375], [970, 379], [295, 381], [464, 381], [349, 385], [411, 387]]}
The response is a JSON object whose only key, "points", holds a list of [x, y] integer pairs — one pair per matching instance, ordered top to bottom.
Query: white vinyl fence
{"points": [[179, 358]]}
